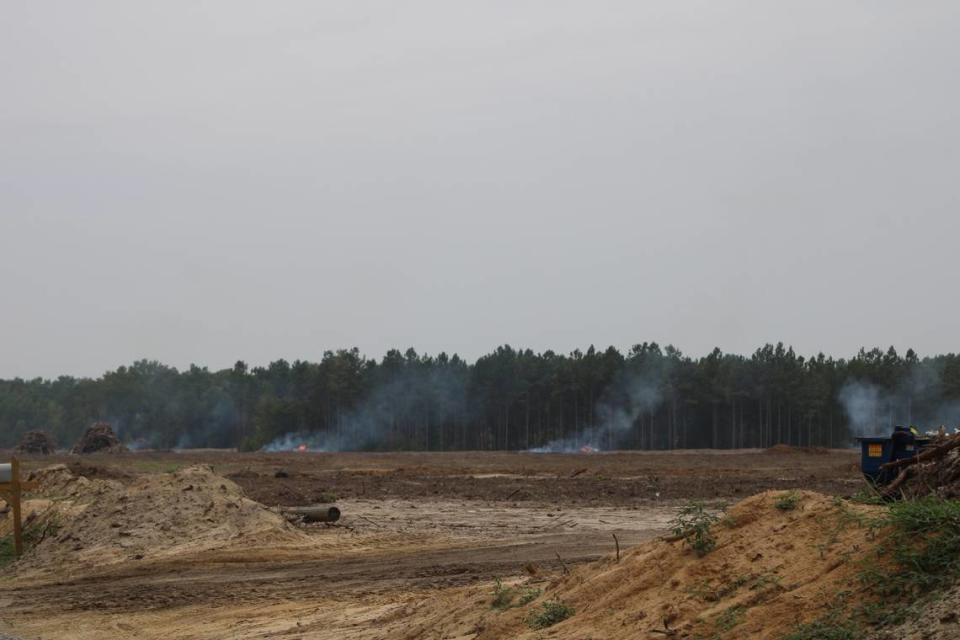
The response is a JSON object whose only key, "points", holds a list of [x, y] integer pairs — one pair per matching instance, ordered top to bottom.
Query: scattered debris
{"points": [[99, 438], [935, 471]]}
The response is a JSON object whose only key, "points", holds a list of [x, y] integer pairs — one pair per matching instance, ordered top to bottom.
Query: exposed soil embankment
{"points": [[86, 525], [771, 570]]}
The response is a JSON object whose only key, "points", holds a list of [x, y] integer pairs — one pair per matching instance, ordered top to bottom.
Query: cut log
{"points": [[928, 454], [894, 486], [315, 513]]}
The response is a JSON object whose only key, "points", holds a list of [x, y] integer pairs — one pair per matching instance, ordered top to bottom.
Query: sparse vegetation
{"points": [[867, 496], [788, 501], [693, 524], [924, 547], [505, 597], [549, 614], [730, 618], [826, 629]]}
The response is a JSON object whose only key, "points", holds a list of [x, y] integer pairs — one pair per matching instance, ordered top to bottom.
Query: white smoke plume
{"points": [[632, 396], [426, 399], [862, 404], [873, 410]]}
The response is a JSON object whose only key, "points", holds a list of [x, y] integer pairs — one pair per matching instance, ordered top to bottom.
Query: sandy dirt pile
{"points": [[99, 438], [37, 442], [936, 471], [57, 482], [158, 516], [771, 569]]}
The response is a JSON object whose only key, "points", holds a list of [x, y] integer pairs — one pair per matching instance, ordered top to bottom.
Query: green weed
{"points": [[787, 501], [693, 525], [509, 597], [549, 614], [730, 618]]}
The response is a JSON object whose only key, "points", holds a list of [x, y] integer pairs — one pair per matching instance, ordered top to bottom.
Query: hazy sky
{"points": [[212, 181]]}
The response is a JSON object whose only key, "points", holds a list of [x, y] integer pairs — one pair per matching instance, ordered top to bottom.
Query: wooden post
{"points": [[15, 495]]}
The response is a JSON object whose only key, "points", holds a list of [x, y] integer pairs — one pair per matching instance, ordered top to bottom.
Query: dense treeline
{"points": [[649, 398]]}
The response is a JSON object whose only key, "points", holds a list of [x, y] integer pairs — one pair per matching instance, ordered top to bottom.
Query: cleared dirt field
{"points": [[418, 529]]}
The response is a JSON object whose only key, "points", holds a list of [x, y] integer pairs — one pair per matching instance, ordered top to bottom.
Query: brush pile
{"points": [[99, 438], [36, 442], [935, 471]]}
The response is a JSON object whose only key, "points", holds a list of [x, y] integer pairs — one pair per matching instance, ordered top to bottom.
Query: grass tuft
{"points": [[788, 501], [924, 547], [550, 613]]}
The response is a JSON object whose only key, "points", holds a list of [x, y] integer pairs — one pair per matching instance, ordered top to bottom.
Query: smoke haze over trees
{"points": [[647, 398]]}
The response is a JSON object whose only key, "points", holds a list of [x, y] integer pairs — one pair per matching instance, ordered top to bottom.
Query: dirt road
{"points": [[416, 526]]}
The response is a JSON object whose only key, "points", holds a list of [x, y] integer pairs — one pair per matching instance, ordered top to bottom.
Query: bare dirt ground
{"points": [[418, 529]]}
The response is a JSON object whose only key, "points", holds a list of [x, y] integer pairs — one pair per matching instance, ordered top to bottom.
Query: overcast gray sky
{"points": [[212, 181]]}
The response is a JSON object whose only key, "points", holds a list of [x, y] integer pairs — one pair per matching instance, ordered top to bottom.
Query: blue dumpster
{"points": [[877, 450]]}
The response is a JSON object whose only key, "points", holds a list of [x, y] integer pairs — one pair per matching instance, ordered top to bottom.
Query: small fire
{"points": [[302, 448], [587, 449]]}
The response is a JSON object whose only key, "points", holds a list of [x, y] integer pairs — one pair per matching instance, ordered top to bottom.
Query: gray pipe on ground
{"points": [[315, 513]]}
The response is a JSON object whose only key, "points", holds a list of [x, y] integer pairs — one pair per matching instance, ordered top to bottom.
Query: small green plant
{"points": [[788, 501], [693, 525], [764, 580], [501, 596], [509, 597], [549, 614], [730, 618]]}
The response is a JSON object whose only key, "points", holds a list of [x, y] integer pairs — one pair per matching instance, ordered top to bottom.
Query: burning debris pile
{"points": [[99, 438], [36, 442], [935, 471]]}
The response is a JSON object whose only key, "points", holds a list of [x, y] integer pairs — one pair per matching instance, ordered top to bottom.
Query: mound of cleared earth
{"points": [[88, 524], [772, 568]]}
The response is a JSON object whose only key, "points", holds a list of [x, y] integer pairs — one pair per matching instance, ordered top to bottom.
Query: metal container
{"points": [[878, 450], [6, 473]]}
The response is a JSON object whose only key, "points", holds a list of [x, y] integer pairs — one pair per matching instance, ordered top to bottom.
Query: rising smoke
{"points": [[632, 395], [410, 396], [874, 410]]}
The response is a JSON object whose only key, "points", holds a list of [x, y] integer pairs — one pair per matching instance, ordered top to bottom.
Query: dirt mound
{"points": [[99, 438], [39, 442], [936, 471], [56, 482], [154, 516], [780, 559]]}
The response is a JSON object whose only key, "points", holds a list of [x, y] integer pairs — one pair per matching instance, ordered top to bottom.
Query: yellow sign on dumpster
{"points": [[875, 450]]}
